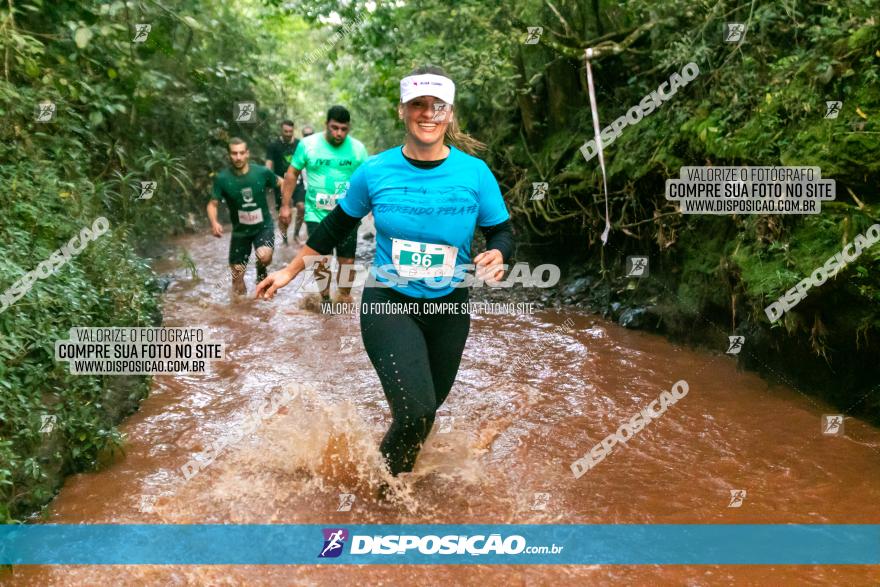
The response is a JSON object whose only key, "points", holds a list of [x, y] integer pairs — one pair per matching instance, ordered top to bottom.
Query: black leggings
{"points": [[416, 355]]}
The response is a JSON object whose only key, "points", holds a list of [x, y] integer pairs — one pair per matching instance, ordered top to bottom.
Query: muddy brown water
{"points": [[514, 431]]}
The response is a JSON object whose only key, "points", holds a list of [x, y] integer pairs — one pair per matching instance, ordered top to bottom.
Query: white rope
{"points": [[595, 113]]}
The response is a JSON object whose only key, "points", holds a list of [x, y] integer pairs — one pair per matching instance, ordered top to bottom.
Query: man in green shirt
{"points": [[278, 156], [329, 158], [243, 187]]}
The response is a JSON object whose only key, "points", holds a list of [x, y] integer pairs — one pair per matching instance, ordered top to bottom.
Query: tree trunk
{"points": [[563, 92], [527, 101]]}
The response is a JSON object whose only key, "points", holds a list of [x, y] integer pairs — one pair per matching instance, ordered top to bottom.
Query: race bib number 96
{"points": [[420, 260]]}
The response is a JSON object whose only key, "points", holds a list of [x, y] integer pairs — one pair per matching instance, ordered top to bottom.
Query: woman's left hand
{"points": [[489, 266]]}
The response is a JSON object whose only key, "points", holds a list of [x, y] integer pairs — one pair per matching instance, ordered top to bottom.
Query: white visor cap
{"points": [[427, 84]]}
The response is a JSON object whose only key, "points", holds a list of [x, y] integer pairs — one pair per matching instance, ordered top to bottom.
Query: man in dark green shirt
{"points": [[278, 155], [243, 187]]}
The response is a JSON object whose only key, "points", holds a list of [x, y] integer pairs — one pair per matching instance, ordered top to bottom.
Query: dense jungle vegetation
{"points": [[161, 110]]}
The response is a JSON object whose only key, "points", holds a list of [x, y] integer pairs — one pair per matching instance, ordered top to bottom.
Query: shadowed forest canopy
{"points": [[161, 109]]}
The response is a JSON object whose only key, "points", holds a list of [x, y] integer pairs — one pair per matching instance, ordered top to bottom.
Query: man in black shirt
{"points": [[278, 155]]}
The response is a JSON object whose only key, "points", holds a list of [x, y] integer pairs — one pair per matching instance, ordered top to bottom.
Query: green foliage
{"points": [[760, 102], [161, 111], [127, 112]]}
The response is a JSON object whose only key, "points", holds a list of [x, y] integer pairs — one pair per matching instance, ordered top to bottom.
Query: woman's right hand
{"points": [[266, 289]]}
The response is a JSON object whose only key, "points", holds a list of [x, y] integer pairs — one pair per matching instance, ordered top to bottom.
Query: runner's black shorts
{"points": [[299, 195], [241, 244], [348, 247]]}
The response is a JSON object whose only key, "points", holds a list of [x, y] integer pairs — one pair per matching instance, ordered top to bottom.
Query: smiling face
{"points": [[426, 119], [287, 133]]}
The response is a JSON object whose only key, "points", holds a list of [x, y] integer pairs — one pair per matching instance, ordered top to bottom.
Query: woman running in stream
{"points": [[427, 197]]}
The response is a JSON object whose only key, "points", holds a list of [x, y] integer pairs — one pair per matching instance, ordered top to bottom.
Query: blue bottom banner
{"points": [[298, 544]]}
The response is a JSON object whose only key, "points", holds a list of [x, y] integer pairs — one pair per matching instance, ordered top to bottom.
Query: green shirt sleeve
{"points": [[300, 158], [217, 192]]}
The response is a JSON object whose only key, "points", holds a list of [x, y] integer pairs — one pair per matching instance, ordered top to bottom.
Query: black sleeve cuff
{"points": [[332, 231], [499, 237]]}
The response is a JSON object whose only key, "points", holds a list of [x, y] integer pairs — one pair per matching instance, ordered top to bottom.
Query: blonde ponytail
{"points": [[462, 140]]}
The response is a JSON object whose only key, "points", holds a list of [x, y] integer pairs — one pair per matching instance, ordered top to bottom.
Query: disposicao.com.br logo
{"points": [[334, 541], [476, 545]]}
